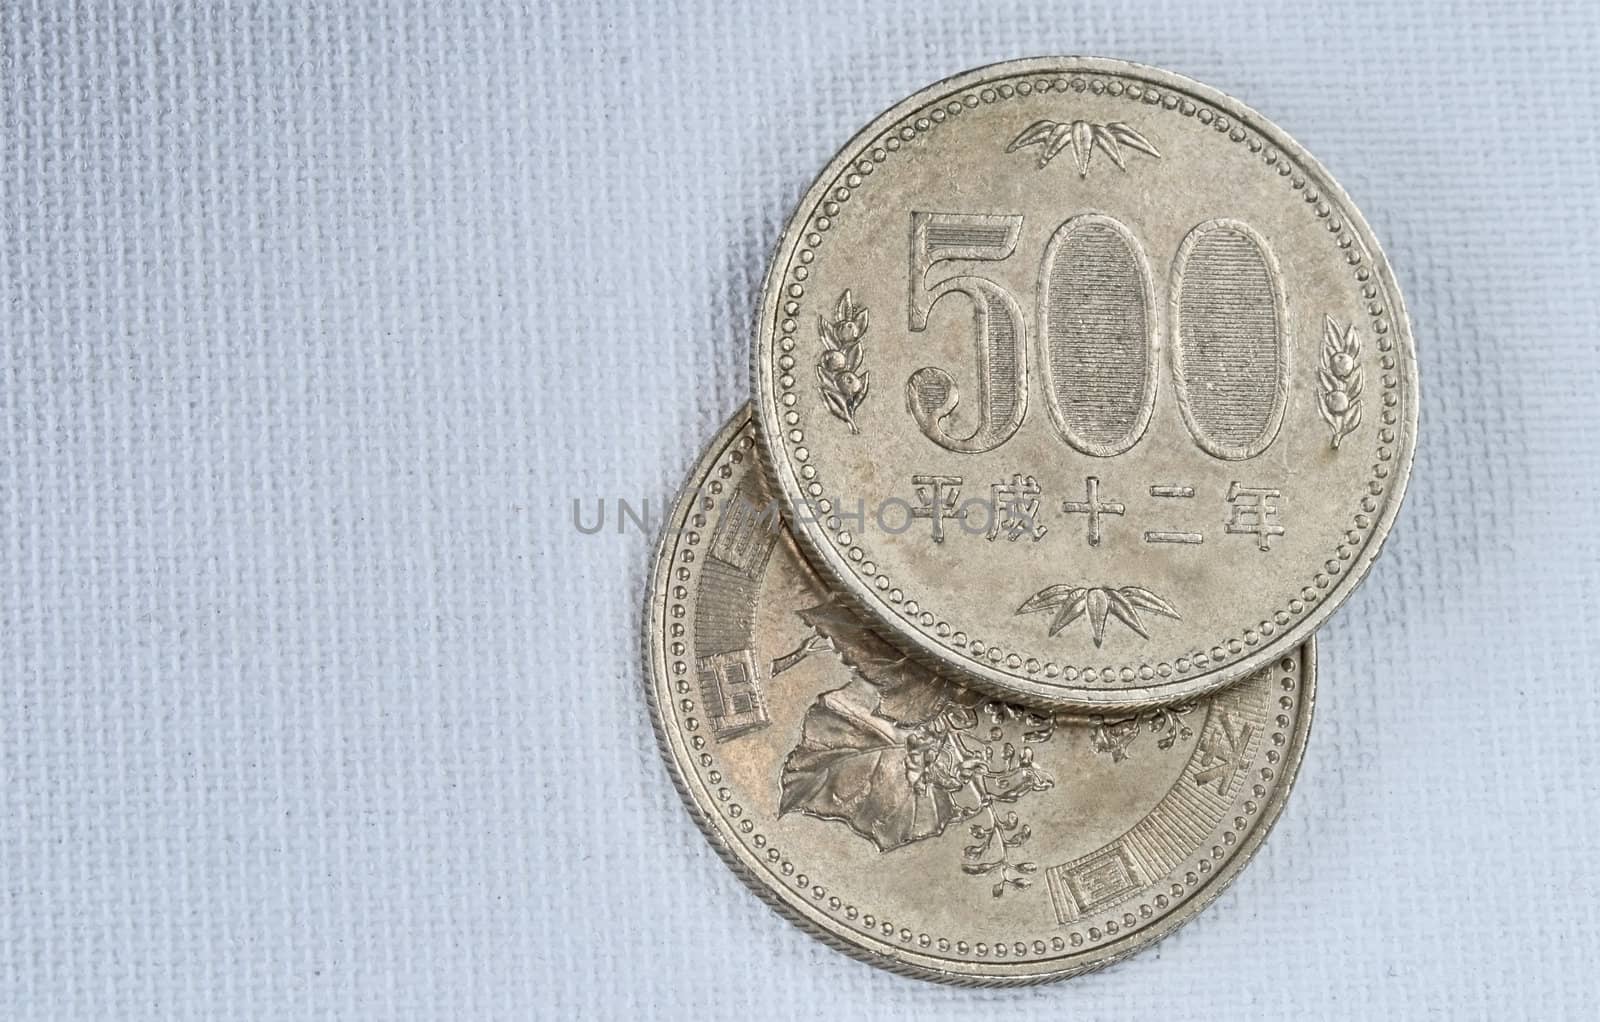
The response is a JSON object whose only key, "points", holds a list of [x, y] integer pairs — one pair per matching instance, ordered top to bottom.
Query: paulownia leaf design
{"points": [[908, 692], [898, 754], [850, 766]]}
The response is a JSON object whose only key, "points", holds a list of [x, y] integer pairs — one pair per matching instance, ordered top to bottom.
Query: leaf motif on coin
{"points": [[1083, 138], [840, 378], [1339, 379], [1099, 604], [908, 691], [1113, 737], [899, 754], [851, 765]]}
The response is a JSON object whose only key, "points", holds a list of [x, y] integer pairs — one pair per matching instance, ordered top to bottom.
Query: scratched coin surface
{"points": [[1091, 385], [912, 822]]}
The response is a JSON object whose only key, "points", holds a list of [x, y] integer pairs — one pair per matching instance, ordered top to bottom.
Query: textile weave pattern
{"points": [[318, 319]]}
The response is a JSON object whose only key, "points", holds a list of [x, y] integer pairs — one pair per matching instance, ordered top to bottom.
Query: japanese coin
{"points": [[1090, 384], [916, 824]]}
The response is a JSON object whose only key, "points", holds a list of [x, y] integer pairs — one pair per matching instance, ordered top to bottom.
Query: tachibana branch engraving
{"points": [[840, 378], [1339, 379]]}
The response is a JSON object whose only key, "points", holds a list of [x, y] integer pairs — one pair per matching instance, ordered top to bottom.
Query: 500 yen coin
{"points": [[1096, 387]]}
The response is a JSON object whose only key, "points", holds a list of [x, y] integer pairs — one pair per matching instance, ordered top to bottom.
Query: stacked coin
{"points": [[981, 643]]}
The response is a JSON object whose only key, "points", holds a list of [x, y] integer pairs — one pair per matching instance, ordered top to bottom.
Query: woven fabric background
{"points": [[318, 317]]}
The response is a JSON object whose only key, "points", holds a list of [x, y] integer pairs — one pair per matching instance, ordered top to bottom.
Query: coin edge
{"points": [[992, 679]]}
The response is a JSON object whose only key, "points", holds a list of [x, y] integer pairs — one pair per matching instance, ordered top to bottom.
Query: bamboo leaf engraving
{"points": [[1128, 137], [1083, 138], [1107, 141], [1082, 145], [1339, 380], [1099, 604]]}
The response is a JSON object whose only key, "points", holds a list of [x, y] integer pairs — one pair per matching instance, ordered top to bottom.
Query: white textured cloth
{"points": [[316, 319]]}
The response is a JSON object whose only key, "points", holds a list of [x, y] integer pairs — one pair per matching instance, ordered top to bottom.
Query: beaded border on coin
{"points": [[907, 620]]}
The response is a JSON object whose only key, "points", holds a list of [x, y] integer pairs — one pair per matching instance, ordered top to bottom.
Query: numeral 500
{"points": [[1098, 343]]}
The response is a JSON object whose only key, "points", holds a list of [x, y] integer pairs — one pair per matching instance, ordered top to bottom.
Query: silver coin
{"points": [[1087, 382], [916, 824]]}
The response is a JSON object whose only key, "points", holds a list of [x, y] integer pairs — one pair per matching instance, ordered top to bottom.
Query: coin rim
{"points": [[866, 601], [898, 960]]}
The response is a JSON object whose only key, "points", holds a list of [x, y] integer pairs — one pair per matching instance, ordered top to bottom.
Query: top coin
{"points": [[1087, 382]]}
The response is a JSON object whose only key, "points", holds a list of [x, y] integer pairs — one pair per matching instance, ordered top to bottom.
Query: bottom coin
{"points": [[913, 823]]}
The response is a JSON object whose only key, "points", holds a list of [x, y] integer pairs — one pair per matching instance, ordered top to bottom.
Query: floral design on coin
{"points": [[1083, 138], [1339, 376], [840, 378], [1099, 604], [1114, 737], [900, 755], [1145, 819]]}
